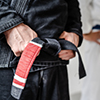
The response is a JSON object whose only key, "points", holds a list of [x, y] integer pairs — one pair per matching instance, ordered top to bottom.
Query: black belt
{"points": [[66, 45], [53, 47]]}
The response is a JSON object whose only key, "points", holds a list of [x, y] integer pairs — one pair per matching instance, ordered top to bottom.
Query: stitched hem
{"points": [[19, 5], [10, 24]]}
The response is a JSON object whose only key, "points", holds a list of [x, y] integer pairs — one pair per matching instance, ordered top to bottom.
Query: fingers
{"points": [[98, 34], [92, 36], [96, 37], [18, 38], [97, 42], [18, 47], [17, 51], [17, 54], [66, 54]]}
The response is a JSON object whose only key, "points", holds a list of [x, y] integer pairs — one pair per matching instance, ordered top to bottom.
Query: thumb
{"points": [[63, 35]]}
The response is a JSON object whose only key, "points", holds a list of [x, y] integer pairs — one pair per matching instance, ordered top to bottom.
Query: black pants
{"points": [[48, 84]]}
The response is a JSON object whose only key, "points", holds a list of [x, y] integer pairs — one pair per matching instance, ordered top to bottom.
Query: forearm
{"points": [[74, 19], [93, 36], [87, 37]]}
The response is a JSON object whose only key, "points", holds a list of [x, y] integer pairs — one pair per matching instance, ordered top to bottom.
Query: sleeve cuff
{"points": [[10, 24], [79, 33], [80, 38]]}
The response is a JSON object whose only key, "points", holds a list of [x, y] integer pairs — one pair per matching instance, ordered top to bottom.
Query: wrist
{"points": [[87, 36], [76, 38]]}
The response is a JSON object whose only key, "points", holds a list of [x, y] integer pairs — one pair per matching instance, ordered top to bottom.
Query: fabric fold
{"points": [[29, 55]]}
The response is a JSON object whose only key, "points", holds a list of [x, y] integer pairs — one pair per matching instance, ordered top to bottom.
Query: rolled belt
{"points": [[29, 55]]}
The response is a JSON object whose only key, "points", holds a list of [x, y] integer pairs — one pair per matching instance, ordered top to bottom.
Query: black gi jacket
{"points": [[49, 18]]}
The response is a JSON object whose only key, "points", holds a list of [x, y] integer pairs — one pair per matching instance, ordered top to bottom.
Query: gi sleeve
{"points": [[8, 17], [74, 19]]}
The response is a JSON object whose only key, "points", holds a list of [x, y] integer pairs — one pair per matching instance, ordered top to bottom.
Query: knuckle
{"points": [[64, 33], [15, 50], [17, 54], [59, 54], [72, 54]]}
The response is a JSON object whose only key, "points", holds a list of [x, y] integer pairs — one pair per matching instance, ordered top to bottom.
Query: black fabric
{"points": [[48, 19], [74, 19], [66, 45], [53, 47], [6, 77], [50, 84]]}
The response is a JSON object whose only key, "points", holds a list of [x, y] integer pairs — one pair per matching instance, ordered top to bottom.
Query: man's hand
{"points": [[93, 36], [72, 37], [18, 38]]}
